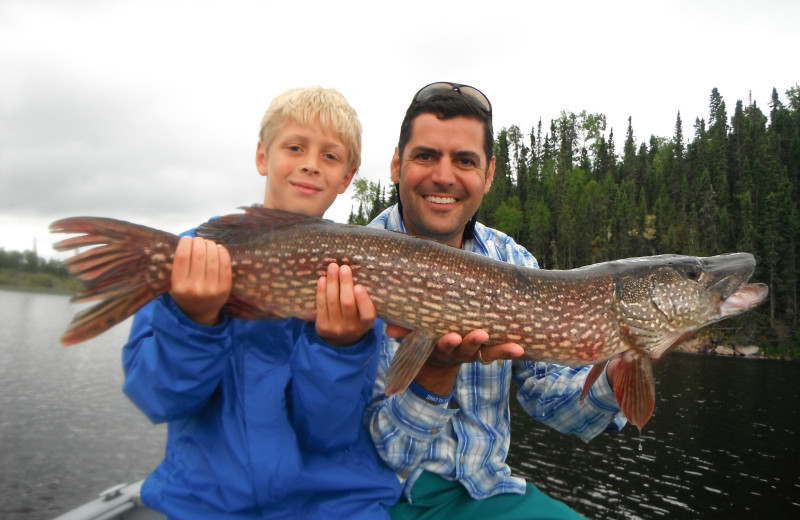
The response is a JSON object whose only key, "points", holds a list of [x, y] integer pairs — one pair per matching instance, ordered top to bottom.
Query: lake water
{"points": [[724, 441]]}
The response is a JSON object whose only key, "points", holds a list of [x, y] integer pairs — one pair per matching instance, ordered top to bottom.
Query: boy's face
{"points": [[306, 168], [443, 176]]}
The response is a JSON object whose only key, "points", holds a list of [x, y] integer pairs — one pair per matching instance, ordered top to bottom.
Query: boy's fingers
{"points": [[198, 258], [181, 262], [211, 270], [225, 273], [333, 291], [346, 296], [322, 299], [364, 305]]}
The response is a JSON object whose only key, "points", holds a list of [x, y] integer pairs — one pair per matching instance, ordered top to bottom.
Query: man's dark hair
{"points": [[447, 105]]}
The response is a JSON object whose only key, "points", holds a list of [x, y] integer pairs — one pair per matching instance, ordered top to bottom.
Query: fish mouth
{"points": [[742, 300]]}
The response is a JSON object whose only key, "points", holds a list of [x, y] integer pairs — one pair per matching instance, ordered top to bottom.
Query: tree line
{"points": [[570, 196], [30, 262]]}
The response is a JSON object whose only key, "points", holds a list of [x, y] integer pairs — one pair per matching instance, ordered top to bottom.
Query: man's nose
{"points": [[444, 172]]}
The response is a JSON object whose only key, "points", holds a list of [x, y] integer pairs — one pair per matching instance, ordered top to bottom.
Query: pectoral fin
{"points": [[410, 356], [635, 389]]}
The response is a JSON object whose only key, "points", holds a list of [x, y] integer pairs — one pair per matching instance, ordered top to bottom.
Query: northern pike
{"points": [[637, 309]]}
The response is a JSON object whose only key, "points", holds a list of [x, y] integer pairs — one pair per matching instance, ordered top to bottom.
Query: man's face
{"points": [[442, 176]]}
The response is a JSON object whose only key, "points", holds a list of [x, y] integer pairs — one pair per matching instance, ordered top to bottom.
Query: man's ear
{"points": [[261, 159], [396, 166], [489, 176]]}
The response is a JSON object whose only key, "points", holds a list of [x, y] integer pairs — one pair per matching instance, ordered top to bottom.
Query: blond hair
{"points": [[305, 106]]}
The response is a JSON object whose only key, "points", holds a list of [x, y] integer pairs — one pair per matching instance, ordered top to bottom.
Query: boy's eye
{"points": [[294, 147], [331, 156]]}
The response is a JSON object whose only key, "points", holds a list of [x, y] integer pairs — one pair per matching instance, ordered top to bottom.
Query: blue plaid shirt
{"points": [[468, 438]]}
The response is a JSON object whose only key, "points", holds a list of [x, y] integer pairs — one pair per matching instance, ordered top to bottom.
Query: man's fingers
{"points": [[476, 338], [503, 351]]}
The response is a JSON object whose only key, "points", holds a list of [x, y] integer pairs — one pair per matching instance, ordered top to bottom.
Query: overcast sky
{"points": [[149, 111]]}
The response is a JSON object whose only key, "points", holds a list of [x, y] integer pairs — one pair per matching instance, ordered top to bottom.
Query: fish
{"points": [[636, 309]]}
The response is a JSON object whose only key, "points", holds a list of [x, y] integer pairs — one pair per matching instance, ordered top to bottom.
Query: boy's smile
{"points": [[305, 167]]}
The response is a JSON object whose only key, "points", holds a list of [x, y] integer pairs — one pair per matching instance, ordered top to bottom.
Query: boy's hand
{"points": [[201, 279], [344, 312]]}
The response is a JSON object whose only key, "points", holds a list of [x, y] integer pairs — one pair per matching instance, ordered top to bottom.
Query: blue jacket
{"points": [[265, 418]]}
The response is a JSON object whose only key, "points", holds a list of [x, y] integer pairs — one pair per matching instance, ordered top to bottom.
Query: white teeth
{"points": [[440, 200]]}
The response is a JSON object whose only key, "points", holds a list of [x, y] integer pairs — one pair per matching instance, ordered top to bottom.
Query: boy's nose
{"points": [[310, 168]]}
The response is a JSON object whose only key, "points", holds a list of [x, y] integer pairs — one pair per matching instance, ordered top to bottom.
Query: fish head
{"points": [[664, 299]]}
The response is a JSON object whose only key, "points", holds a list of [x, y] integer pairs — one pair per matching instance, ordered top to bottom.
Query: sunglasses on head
{"points": [[470, 93]]}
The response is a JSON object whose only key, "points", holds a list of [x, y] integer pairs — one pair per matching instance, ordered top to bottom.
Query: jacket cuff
{"points": [[177, 315], [365, 345]]}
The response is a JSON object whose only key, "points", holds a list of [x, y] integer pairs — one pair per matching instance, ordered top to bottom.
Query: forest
{"points": [[573, 196]]}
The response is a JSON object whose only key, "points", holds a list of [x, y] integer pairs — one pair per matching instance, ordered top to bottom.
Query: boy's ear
{"points": [[261, 159], [396, 166], [348, 178]]}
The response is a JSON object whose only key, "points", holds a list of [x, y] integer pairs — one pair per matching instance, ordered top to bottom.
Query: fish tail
{"points": [[130, 265], [634, 387]]}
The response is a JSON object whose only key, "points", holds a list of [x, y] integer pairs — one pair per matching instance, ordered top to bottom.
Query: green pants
{"points": [[436, 498]]}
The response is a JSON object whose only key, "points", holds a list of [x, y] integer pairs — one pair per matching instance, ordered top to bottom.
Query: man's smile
{"points": [[440, 200]]}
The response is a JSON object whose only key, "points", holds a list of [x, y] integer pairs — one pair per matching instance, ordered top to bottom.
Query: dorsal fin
{"points": [[226, 229]]}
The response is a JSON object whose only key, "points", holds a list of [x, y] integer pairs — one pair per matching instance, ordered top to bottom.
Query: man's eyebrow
{"points": [[425, 149], [468, 154]]}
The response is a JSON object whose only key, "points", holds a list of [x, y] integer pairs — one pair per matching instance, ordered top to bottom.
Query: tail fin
{"points": [[131, 266]]}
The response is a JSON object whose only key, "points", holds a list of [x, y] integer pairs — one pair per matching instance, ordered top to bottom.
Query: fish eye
{"points": [[693, 272]]}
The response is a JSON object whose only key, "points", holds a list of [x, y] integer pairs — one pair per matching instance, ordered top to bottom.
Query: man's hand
{"points": [[201, 279], [345, 312], [439, 373]]}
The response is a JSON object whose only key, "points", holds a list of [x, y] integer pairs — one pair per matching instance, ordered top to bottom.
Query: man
{"points": [[447, 436]]}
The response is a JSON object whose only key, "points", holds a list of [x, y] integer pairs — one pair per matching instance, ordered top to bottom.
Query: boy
{"points": [[254, 429]]}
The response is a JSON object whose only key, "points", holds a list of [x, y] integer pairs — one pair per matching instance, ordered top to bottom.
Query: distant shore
{"points": [[15, 280]]}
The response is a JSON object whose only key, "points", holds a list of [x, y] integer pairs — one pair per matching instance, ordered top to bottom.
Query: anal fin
{"points": [[410, 356], [594, 373]]}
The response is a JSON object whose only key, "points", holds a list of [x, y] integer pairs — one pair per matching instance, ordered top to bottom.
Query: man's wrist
{"points": [[436, 379], [426, 395]]}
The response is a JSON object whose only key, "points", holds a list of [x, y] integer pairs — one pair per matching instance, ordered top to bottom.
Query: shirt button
{"points": [[434, 431], [462, 460]]}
